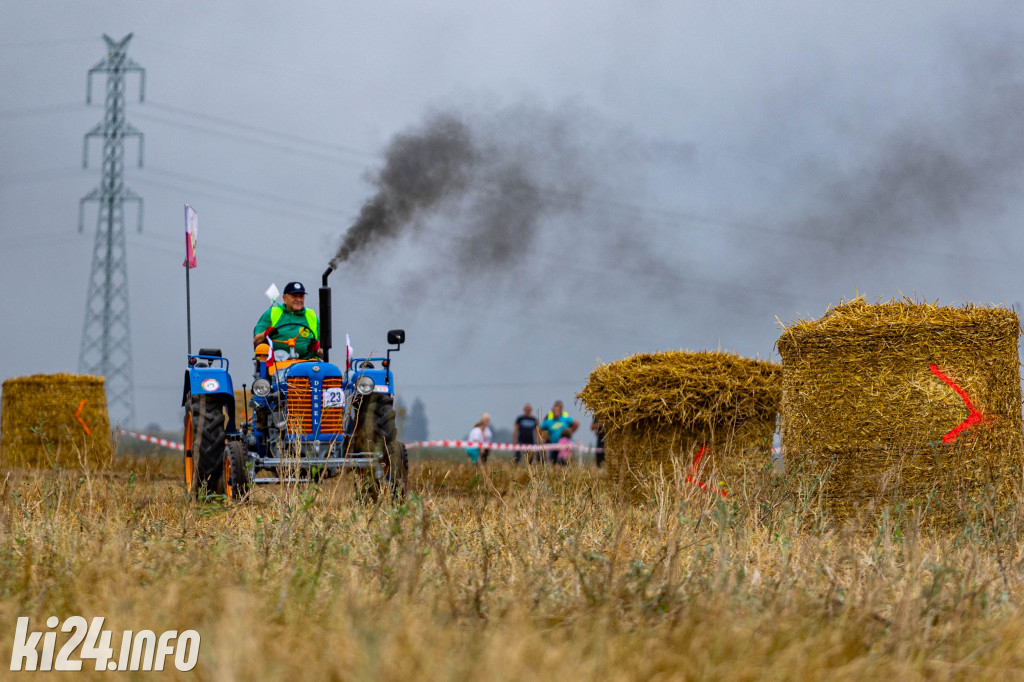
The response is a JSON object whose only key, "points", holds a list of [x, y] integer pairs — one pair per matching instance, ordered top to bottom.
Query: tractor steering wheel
{"points": [[290, 342]]}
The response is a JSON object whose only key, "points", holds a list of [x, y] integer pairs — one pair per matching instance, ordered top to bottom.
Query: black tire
{"points": [[206, 415], [378, 432], [396, 471], [236, 473]]}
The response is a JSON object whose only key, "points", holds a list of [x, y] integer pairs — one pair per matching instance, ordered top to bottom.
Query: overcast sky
{"points": [[655, 176]]}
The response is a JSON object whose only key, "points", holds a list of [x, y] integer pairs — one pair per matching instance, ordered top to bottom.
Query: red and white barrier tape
{"points": [[151, 439], [509, 446], [578, 447]]}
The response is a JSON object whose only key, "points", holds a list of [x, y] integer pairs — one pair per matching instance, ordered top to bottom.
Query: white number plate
{"points": [[334, 397]]}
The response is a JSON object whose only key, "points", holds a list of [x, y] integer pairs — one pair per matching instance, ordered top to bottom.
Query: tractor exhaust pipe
{"points": [[325, 314]]}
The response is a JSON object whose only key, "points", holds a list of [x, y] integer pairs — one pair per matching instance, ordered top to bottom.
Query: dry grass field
{"points": [[506, 573]]}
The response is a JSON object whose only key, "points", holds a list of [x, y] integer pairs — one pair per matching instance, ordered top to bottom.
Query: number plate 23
{"points": [[333, 397]]}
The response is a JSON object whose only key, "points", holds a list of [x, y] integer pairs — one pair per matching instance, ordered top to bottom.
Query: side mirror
{"points": [[396, 337]]}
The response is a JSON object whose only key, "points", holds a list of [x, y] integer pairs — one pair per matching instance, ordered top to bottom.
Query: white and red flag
{"points": [[191, 230]]}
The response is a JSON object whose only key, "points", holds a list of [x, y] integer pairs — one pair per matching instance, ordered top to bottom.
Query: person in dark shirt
{"points": [[598, 429], [525, 433]]}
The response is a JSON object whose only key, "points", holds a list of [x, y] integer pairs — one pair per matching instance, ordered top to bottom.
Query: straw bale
{"points": [[865, 407], [659, 409], [39, 427]]}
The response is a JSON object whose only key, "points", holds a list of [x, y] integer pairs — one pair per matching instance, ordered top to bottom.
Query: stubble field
{"points": [[511, 573]]}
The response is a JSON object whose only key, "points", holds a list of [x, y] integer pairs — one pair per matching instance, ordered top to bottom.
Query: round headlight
{"points": [[364, 385], [261, 388]]}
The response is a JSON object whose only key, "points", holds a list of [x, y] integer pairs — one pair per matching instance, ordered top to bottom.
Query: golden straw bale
{"points": [[877, 402], [660, 409], [40, 427]]}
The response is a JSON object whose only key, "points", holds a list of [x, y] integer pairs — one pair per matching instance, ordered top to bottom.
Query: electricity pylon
{"points": [[106, 333]]}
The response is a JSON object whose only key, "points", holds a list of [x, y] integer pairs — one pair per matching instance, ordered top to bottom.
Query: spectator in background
{"points": [[554, 424], [598, 429], [526, 432], [480, 433], [565, 451]]}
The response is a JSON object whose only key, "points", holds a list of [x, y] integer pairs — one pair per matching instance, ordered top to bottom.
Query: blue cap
{"points": [[294, 288]]}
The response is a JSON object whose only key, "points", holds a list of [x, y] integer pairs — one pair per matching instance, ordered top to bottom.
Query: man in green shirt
{"points": [[280, 323]]}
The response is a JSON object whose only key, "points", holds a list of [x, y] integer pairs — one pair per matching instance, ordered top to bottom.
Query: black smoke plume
{"points": [[421, 168], [945, 168], [486, 183]]}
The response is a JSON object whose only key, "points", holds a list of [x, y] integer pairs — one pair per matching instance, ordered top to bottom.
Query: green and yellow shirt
{"points": [[302, 325]]}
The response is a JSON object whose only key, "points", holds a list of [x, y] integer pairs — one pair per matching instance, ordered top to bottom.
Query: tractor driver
{"points": [[280, 323]]}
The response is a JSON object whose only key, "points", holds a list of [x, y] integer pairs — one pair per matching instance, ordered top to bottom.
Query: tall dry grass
{"points": [[506, 573]]}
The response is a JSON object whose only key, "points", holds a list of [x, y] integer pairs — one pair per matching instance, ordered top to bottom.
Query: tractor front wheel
{"points": [[376, 432], [394, 456], [396, 468], [236, 475]]}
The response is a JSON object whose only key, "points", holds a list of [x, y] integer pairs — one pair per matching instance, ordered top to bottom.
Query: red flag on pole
{"points": [[191, 229]]}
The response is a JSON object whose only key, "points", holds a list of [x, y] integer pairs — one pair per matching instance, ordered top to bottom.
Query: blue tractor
{"points": [[311, 419]]}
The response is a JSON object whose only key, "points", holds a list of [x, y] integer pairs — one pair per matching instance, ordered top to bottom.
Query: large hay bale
{"points": [[877, 403], [660, 409], [54, 420]]}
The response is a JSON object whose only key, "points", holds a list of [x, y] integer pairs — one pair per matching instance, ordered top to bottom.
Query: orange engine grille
{"points": [[300, 408]]}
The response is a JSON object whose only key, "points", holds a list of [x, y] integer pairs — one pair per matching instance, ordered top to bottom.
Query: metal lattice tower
{"points": [[106, 333]]}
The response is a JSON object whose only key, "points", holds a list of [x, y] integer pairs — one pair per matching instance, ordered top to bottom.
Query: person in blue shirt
{"points": [[554, 424]]}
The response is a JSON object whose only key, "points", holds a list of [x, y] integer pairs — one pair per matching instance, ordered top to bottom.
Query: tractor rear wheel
{"points": [[204, 432], [236, 474]]}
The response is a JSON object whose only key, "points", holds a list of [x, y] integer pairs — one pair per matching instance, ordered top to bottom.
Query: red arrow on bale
{"points": [[78, 416], [973, 419]]}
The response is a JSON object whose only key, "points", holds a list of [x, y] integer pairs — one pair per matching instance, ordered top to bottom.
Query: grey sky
{"points": [[728, 164]]}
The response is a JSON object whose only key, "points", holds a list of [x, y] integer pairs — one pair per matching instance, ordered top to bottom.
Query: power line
{"points": [[47, 43], [230, 60], [42, 111], [265, 131], [279, 146], [40, 175], [188, 191], [276, 200], [666, 214], [763, 231], [229, 257]]}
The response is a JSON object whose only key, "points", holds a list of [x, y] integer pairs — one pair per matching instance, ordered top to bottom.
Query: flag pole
{"points": [[191, 228], [188, 307]]}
